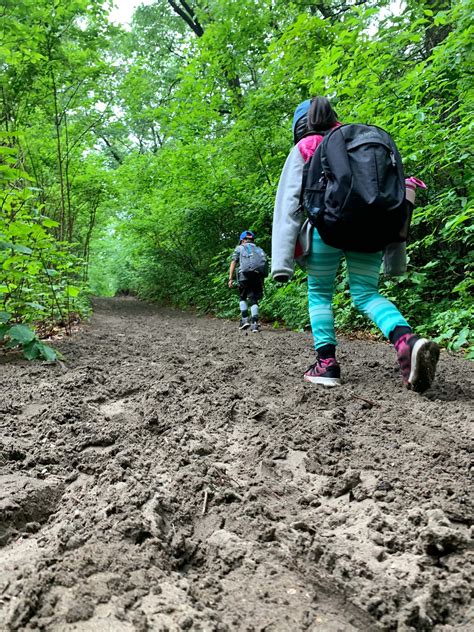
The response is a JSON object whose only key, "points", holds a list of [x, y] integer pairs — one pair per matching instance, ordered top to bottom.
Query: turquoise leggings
{"points": [[363, 271]]}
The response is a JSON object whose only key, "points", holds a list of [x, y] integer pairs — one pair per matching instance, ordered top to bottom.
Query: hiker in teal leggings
{"points": [[363, 271], [417, 356]]}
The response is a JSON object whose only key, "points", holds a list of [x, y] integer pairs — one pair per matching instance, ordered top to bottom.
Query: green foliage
{"points": [[51, 59], [224, 135], [150, 150], [38, 273], [286, 304], [12, 336]]}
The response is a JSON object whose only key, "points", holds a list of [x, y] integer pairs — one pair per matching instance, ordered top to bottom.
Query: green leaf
{"points": [[440, 19], [50, 223], [452, 223], [24, 249], [73, 291], [37, 306], [5, 317], [21, 334], [462, 338], [31, 351], [47, 352]]}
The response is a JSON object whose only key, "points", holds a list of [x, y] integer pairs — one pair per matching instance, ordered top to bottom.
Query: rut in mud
{"points": [[176, 474]]}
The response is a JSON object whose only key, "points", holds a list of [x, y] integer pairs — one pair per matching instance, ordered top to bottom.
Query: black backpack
{"points": [[354, 189]]}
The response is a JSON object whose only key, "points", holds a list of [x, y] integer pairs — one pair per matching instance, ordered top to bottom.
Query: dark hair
{"points": [[321, 115]]}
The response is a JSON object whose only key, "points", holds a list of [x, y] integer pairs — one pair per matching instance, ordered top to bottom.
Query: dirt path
{"points": [[177, 474]]}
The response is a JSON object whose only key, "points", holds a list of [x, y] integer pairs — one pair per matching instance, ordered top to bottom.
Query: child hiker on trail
{"points": [[251, 263], [417, 356]]}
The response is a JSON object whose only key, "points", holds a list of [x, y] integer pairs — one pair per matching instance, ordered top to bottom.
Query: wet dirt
{"points": [[177, 474]]}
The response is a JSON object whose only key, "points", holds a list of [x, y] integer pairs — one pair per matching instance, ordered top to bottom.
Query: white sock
{"points": [[244, 307]]}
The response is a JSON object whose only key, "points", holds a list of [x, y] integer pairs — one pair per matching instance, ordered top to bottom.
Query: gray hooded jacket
{"points": [[288, 217]]}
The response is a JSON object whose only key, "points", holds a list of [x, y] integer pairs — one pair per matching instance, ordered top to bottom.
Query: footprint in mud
{"points": [[113, 409], [26, 503]]}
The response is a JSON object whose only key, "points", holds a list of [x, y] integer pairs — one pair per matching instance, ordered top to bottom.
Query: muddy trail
{"points": [[177, 474]]}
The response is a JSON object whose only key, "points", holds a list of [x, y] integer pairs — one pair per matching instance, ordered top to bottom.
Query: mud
{"points": [[176, 474]]}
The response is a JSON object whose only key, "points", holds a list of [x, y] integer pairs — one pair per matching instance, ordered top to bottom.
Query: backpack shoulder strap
{"points": [[312, 133], [335, 159]]}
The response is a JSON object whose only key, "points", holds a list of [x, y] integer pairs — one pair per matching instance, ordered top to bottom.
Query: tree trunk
{"points": [[434, 35], [57, 127], [70, 215], [90, 228]]}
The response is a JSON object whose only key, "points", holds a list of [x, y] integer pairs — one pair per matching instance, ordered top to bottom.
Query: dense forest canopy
{"points": [[131, 159]]}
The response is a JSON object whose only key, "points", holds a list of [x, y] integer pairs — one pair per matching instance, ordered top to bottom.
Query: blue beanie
{"points": [[300, 111]]}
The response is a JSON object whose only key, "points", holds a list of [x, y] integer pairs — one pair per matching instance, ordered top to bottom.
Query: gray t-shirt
{"points": [[236, 257]]}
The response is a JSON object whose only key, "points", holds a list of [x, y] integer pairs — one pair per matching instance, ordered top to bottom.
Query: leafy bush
{"points": [[39, 275]]}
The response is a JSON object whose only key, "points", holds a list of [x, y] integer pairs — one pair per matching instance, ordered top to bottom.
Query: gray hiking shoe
{"points": [[244, 323], [254, 326]]}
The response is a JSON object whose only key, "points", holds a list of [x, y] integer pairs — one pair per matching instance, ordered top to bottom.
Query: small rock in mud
{"points": [[200, 448], [348, 481], [384, 486], [267, 535], [438, 538], [228, 546], [186, 623]]}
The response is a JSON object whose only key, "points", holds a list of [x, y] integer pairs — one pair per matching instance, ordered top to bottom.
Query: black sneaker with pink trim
{"points": [[417, 358], [324, 371]]}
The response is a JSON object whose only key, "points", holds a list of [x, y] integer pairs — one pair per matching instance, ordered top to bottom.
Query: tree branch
{"points": [[187, 14], [113, 151]]}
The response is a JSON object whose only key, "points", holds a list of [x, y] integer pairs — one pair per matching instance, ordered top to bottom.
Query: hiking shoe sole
{"points": [[244, 326], [424, 358], [324, 381]]}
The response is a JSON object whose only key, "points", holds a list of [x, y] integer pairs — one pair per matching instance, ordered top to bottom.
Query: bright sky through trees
{"points": [[123, 10]]}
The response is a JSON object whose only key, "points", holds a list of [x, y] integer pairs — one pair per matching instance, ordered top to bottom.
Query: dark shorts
{"points": [[251, 289]]}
